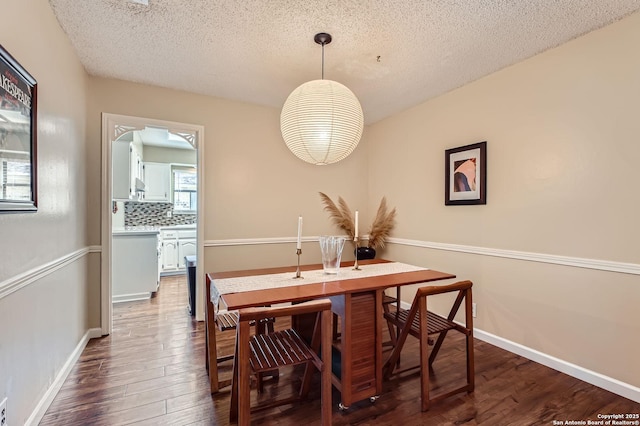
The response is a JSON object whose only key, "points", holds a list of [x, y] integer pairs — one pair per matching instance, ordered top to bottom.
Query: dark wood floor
{"points": [[150, 371]]}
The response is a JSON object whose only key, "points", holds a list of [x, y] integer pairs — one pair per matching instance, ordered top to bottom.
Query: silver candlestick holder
{"points": [[298, 252], [355, 264]]}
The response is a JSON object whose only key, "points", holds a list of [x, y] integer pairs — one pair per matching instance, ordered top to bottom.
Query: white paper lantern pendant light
{"points": [[321, 120]]}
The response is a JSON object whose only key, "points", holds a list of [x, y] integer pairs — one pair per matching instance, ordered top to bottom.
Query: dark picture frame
{"points": [[18, 134], [466, 175]]}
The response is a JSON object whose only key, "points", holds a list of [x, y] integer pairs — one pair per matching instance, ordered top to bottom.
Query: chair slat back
{"points": [[254, 314], [227, 321], [271, 351]]}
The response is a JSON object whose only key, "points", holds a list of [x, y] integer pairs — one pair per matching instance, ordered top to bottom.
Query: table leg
{"points": [[379, 319], [360, 345], [242, 374], [233, 404]]}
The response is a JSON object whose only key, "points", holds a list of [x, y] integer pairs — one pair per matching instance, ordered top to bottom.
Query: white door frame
{"points": [[113, 126]]}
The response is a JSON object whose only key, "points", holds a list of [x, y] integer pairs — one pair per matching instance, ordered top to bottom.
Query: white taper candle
{"points": [[356, 233], [299, 242]]}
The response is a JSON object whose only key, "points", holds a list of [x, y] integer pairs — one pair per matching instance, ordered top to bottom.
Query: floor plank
{"points": [[150, 371]]}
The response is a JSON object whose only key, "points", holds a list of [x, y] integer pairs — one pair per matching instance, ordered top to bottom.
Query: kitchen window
{"points": [[185, 189]]}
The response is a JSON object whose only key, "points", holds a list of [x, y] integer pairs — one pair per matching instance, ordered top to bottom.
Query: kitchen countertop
{"points": [[190, 226], [136, 230], [146, 230]]}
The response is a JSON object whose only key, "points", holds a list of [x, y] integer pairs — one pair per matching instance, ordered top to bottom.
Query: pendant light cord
{"points": [[322, 39], [323, 61]]}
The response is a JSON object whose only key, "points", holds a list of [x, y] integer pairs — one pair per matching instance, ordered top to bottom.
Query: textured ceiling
{"points": [[392, 54]]}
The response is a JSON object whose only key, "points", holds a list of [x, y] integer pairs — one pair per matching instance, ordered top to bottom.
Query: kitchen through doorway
{"points": [[152, 224]]}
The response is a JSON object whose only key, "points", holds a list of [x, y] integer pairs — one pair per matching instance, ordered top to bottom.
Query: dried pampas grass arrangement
{"points": [[341, 216], [381, 226]]}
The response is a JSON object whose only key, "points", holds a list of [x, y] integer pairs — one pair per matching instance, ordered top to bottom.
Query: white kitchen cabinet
{"points": [[126, 167], [136, 167], [121, 170], [157, 180], [176, 244], [185, 248], [169, 251], [134, 265]]}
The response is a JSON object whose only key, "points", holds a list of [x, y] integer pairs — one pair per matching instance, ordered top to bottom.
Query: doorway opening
{"points": [[152, 186]]}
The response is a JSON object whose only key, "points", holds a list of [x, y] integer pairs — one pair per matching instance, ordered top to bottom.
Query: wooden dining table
{"points": [[356, 297]]}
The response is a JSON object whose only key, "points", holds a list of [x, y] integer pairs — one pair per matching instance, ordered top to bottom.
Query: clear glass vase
{"points": [[331, 248]]}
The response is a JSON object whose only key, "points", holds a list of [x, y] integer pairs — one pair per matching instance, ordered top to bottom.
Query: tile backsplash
{"points": [[154, 214]]}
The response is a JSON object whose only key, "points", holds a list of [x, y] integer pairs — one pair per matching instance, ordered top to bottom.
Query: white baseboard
{"points": [[172, 273], [131, 297], [600, 380], [612, 385], [38, 413]]}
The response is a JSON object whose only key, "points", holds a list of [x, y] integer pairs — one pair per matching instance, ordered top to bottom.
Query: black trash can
{"points": [[190, 262]]}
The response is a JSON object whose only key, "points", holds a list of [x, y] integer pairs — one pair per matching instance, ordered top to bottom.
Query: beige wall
{"points": [[562, 132], [254, 187], [41, 323]]}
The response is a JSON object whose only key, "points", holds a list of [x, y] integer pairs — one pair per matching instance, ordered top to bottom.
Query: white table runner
{"points": [[316, 276]]}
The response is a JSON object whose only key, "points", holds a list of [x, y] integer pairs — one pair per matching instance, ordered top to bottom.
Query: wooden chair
{"points": [[213, 321], [222, 321], [226, 321], [394, 323], [422, 323], [392, 326], [284, 348]]}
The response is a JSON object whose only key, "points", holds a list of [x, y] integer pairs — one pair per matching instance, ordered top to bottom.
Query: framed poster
{"points": [[18, 96], [466, 175]]}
